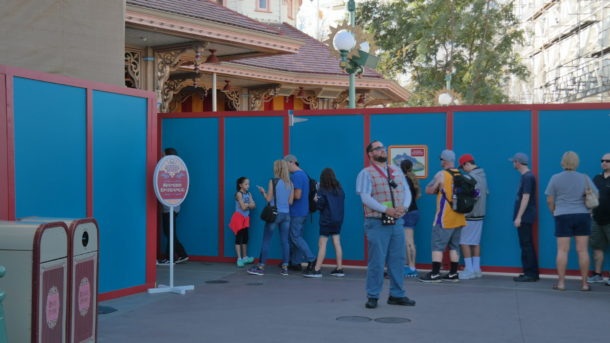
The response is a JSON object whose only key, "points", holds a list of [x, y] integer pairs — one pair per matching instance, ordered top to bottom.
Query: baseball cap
{"points": [[448, 155], [520, 157], [290, 158], [465, 158]]}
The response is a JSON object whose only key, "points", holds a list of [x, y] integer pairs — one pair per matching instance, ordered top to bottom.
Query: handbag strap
{"points": [[274, 182]]}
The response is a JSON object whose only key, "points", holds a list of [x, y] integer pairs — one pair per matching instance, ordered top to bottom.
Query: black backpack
{"points": [[313, 189], [464, 192]]}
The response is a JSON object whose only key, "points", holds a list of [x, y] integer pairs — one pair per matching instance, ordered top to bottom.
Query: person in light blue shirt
{"points": [[565, 196]]}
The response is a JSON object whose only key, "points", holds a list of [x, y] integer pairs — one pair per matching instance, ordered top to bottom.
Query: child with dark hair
{"points": [[330, 201], [411, 217], [240, 221]]}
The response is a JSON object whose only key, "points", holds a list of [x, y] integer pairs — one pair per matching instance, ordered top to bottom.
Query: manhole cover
{"points": [[217, 281], [254, 284], [105, 309], [354, 319], [392, 320]]}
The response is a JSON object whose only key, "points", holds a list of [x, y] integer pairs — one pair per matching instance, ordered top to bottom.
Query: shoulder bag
{"points": [[591, 198], [269, 213]]}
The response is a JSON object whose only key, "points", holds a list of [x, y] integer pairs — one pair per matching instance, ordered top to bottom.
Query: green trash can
{"points": [[83, 247], [37, 257]]}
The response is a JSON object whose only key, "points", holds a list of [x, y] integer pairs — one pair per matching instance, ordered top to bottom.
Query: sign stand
{"points": [[171, 183]]}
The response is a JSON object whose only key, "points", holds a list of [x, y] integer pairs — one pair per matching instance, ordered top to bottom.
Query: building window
{"points": [[263, 5]]}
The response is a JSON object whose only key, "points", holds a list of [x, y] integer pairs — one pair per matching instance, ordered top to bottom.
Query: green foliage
{"points": [[426, 39]]}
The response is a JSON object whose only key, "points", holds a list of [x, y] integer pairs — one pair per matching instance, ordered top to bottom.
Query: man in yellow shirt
{"points": [[447, 223]]}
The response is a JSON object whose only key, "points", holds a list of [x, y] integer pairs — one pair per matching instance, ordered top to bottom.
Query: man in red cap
{"points": [[470, 239]]}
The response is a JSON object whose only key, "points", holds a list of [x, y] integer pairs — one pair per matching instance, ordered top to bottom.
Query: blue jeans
{"points": [[283, 221], [386, 246], [299, 247]]}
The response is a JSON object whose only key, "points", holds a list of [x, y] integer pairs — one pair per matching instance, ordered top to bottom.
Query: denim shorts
{"points": [[411, 218], [570, 225]]}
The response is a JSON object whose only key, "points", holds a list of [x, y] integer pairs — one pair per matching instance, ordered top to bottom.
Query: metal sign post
{"points": [[171, 182]]}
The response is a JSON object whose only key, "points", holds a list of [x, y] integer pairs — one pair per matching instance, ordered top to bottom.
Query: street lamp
{"points": [[351, 43]]}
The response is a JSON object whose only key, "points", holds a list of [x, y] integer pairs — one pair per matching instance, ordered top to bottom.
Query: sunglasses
{"points": [[379, 148], [607, 161]]}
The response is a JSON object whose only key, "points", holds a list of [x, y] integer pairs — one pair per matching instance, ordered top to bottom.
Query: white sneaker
{"points": [[478, 274], [467, 275], [596, 279], [608, 282]]}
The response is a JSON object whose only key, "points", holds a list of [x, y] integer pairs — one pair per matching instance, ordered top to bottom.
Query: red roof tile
{"points": [[204, 9], [313, 57]]}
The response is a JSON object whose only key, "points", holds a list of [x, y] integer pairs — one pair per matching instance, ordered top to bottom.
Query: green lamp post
{"points": [[350, 42]]}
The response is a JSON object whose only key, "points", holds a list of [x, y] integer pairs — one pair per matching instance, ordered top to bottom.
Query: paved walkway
{"points": [[273, 308]]}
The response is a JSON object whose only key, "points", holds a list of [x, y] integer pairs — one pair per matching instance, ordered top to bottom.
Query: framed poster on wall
{"points": [[418, 154]]}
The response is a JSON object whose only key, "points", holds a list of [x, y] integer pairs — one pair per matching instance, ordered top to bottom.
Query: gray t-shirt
{"points": [[568, 190]]}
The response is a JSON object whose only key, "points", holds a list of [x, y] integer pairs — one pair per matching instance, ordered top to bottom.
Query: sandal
{"points": [[557, 288], [586, 289]]}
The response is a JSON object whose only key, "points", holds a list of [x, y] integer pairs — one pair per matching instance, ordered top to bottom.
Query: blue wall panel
{"points": [[416, 129], [584, 132], [492, 138], [196, 141], [334, 142], [252, 144], [50, 156], [119, 183]]}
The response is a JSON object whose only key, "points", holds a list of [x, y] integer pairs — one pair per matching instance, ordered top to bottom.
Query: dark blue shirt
{"points": [[527, 185], [331, 206]]}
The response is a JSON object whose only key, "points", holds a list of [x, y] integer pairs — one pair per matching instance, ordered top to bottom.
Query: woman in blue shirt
{"points": [[284, 195]]}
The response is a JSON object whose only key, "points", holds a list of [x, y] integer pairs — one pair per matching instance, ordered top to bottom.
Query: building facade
{"points": [[567, 50]]}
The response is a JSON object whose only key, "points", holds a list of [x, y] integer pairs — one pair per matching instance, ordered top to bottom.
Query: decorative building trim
{"points": [[206, 30], [133, 64], [389, 87], [259, 96]]}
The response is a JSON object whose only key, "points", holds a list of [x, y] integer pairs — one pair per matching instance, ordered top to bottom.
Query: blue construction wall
{"points": [[416, 129], [584, 132], [492, 138], [196, 141], [333, 142], [252, 143], [50, 150], [119, 183]]}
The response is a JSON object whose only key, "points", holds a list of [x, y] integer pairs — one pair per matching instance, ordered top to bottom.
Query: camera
{"points": [[392, 183]]}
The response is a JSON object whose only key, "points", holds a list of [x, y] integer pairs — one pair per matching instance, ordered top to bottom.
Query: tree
{"points": [[427, 39]]}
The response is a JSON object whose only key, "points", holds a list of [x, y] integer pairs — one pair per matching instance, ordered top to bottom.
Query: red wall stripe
{"points": [[449, 130], [287, 133], [367, 140], [10, 147], [89, 153], [152, 156], [535, 165], [221, 186], [4, 196]]}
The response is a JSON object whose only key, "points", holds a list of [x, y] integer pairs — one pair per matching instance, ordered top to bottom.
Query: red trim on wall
{"points": [[449, 130], [286, 133], [367, 139], [10, 148], [89, 153], [152, 156], [535, 164], [221, 186], [4, 196], [124, 292]]}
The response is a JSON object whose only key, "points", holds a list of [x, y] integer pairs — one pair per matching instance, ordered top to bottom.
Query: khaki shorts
{"points": [[600, 236]]}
